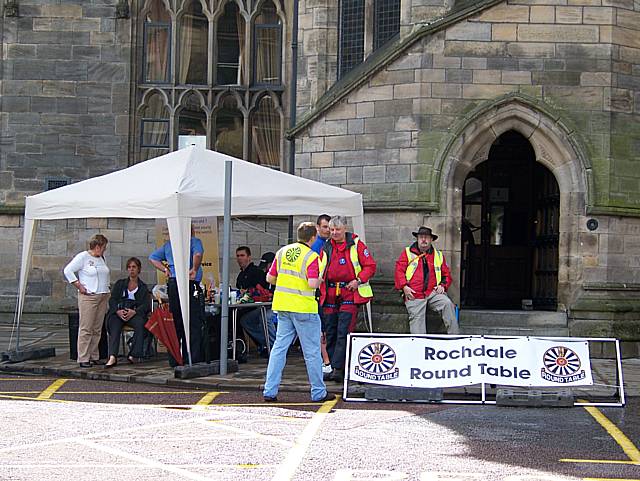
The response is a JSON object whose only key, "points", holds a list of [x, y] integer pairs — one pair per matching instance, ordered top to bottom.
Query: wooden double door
{"points": [[510, 230]]}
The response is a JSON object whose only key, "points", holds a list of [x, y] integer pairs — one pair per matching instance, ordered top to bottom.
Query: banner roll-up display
{"points": [[450, 361]]}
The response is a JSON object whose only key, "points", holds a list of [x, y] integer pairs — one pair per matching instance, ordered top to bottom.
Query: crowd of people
{"points": [[316, 284]]}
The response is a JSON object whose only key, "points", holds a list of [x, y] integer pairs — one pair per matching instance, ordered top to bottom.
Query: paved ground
{"points": [[250, 376], [60, 429]]}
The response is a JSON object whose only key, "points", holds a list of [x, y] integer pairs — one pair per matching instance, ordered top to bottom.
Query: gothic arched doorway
{"points": [[510, 229]]}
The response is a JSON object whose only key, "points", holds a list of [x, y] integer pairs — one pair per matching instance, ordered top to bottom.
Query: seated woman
{"points": [[130, 303]]}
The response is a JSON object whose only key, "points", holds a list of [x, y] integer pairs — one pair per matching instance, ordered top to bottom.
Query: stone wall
{"points": [[65, 88], [393, 137], [56, 242]]}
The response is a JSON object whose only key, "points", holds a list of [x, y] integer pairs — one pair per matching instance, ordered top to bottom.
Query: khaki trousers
{"points": [[439, 303], [92, 310]]}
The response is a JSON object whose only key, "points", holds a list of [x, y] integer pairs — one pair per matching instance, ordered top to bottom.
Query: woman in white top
{"points": [[89, 273]]}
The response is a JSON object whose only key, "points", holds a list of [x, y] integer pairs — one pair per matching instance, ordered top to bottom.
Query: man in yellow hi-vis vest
{"points": [[296, 274], [423, 277]]}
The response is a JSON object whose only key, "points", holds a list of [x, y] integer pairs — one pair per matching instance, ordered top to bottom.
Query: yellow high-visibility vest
{"points": [[414, 261], [364, 289], [293, 293]]}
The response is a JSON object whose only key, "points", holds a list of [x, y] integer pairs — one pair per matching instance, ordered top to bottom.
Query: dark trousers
{"points": [[196, 313], [114, 327], [336, 327]]}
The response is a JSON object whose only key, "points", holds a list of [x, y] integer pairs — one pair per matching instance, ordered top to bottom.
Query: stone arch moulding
{"points": [[556, 146]]}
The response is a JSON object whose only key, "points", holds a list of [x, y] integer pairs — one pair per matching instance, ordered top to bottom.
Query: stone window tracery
{"points": [[216, 67]]}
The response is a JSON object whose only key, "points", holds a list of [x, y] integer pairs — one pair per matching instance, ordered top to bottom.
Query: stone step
{"points": [[36, 318], [513, 319], [515, 331]]}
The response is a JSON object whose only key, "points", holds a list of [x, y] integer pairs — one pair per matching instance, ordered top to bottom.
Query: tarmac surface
{"points": [[250, 376], [61, 422], [61, 429]]}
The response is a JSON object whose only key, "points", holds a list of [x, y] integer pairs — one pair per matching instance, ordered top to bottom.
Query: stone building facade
{"points": [[75, 93], [420, 124], [511, 127]]}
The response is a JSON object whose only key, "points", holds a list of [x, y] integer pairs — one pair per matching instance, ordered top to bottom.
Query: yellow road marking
{"points": [[27, 379], [51, 390], [105, 392], [130, 392], [5, 396], [206, 400], [266, 405], [623, 441], [599, 461], [287, 469], [609, 479]]}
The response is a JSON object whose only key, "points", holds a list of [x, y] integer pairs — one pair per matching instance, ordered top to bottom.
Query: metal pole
{"points": [[293, 92], [226, 246]]}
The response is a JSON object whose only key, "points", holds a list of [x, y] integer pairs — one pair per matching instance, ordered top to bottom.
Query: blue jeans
{"points": [[251, 322], [307, 326]]}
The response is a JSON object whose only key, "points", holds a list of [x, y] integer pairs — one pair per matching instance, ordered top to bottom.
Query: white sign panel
{"points": [[187, 140], [414, 361]]}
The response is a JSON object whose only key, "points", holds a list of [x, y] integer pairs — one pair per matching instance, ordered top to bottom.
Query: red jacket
{"points": [[365, 258], [417, 281]]}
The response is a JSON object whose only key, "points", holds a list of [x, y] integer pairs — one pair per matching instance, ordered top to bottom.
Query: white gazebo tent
{"points": [[176, 187]]}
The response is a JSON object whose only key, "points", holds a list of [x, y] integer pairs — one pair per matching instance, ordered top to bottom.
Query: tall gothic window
{"points": [[386, 21], [363, 31], [193, 41], [157, 43], [268, 45], [231, 48], [351, 48], [211, 74], [192, 120], [154, 126], [229, 128], [266, 133]]}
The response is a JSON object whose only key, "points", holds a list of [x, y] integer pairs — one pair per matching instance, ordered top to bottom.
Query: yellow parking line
{"points": [[28, 379], [51, 390], [21, 392], [130, 392], [5, 396], [206, 400], [266, 405], [623, 441], [599, 461], [609, 479]]}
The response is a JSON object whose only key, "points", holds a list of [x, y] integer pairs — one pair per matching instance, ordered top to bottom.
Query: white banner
{"points": [[422, 361]]}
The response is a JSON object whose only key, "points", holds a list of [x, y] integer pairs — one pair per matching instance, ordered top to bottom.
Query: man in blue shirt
{"points": [[322, 228], [162, 259]]}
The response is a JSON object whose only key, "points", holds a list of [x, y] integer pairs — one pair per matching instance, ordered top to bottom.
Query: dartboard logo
{"points": [[293, 253], [377, 358], [561, 365]]}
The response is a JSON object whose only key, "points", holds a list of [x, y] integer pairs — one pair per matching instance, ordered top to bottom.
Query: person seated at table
{"points": [[250, 275], [129, 304], [251, 321]]}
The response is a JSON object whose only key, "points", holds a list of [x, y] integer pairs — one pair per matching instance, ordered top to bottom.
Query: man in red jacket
{"points": [[349, 266], [423, 276]]}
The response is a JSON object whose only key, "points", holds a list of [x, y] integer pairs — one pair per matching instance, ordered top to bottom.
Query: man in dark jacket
{"points": [[423, 276]]}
